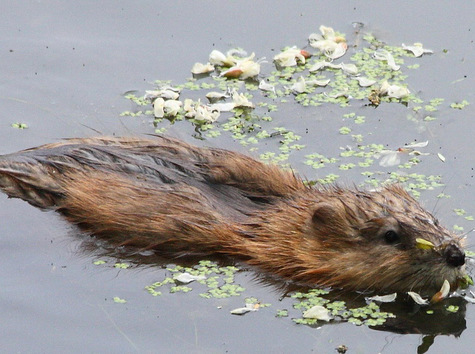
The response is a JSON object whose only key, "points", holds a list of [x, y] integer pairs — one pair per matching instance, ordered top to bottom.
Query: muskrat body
{"points": [[163, 194]]}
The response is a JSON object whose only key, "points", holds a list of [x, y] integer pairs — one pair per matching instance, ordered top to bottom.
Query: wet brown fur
{"points": [[166, 195]]}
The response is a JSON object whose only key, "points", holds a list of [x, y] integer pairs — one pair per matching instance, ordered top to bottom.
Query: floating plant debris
{"points": [[242, 95]]}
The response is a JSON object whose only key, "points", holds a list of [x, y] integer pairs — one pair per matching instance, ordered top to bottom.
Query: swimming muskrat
{"points": [[163, 194]]}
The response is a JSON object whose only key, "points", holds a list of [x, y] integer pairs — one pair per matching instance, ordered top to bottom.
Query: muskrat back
{"points": [[163, 194]]}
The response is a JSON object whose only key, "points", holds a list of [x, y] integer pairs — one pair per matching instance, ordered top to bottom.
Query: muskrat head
{"points": [[384, 240]]}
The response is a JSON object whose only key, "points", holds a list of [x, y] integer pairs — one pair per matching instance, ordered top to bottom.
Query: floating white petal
{"points": [[328, 43], [417, 49], [337, 52], [382, 54], [289, 57], [218, 58], [318, 66], [200, 68], [243, 68], [350, 69], [364, 81], [318, 82], [264, 86], [299, 86], [394, 91], [168, 93], [214, 96], [241, 101], [172, 107], [223, 107], [189, 108], [158, 109], [206, 114], [418, 145], [389, 158], [186, 278], [383, 298], [417, 298], [243, 310], [318, 312]]}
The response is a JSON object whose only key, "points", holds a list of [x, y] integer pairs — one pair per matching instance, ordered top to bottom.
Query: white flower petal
{"points": [[327, 32], [314, 38], [325, 45], [417, 49], [338, 52], [382, 54], [289, 57], [218, 58], [318, 66], [333, 66], [199, 68], [243, 68], [249, 69], [350, 69], [233, 72], [364, 81], [318, 82], [264, 86], [299, 86], [170, 88], [395, 91], [169, 94], [150, 95], [215, 96], [241, 101], [172, 107], [189, 107], [223, 107], [158, 110], [206, 114], [418, 145], [389, 158], [186, 278], [445, 289], [384, 298], [417, 298], [246, 309], [240, 311], [318, 312]]}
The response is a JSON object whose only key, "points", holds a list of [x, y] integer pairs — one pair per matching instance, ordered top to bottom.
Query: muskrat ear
{"points": [[325, 214], [327, 220]]}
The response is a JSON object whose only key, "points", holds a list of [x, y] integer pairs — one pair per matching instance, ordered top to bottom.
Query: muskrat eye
{"points": [[391, 236]]}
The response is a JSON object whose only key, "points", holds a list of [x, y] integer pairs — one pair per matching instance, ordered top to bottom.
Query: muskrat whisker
{"points": [[464, 235]]}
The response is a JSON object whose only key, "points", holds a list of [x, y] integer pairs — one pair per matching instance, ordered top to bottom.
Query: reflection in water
{"points": [[411, 318]]}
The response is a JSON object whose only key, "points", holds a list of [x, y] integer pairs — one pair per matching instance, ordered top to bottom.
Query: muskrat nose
{"points": [[454, 255]]}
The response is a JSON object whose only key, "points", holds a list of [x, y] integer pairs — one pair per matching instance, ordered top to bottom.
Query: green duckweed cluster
{"points": [[254, 126], [219, 281], [369, 315]]}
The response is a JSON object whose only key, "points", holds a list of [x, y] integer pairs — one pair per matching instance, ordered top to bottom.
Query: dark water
{"points": [[64, 67]]}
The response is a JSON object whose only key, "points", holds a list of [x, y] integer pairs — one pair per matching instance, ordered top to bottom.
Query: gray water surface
{"points": [[64, 69]]}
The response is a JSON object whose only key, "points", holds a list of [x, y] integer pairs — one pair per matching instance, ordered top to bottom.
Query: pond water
{"points": [[65, 69]]}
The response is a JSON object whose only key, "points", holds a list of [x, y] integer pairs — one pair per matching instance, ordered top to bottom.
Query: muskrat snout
{"points": [[454, 255]]}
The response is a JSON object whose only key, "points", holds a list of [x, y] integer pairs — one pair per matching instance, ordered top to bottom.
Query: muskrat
{"points": [[163, 194]]}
